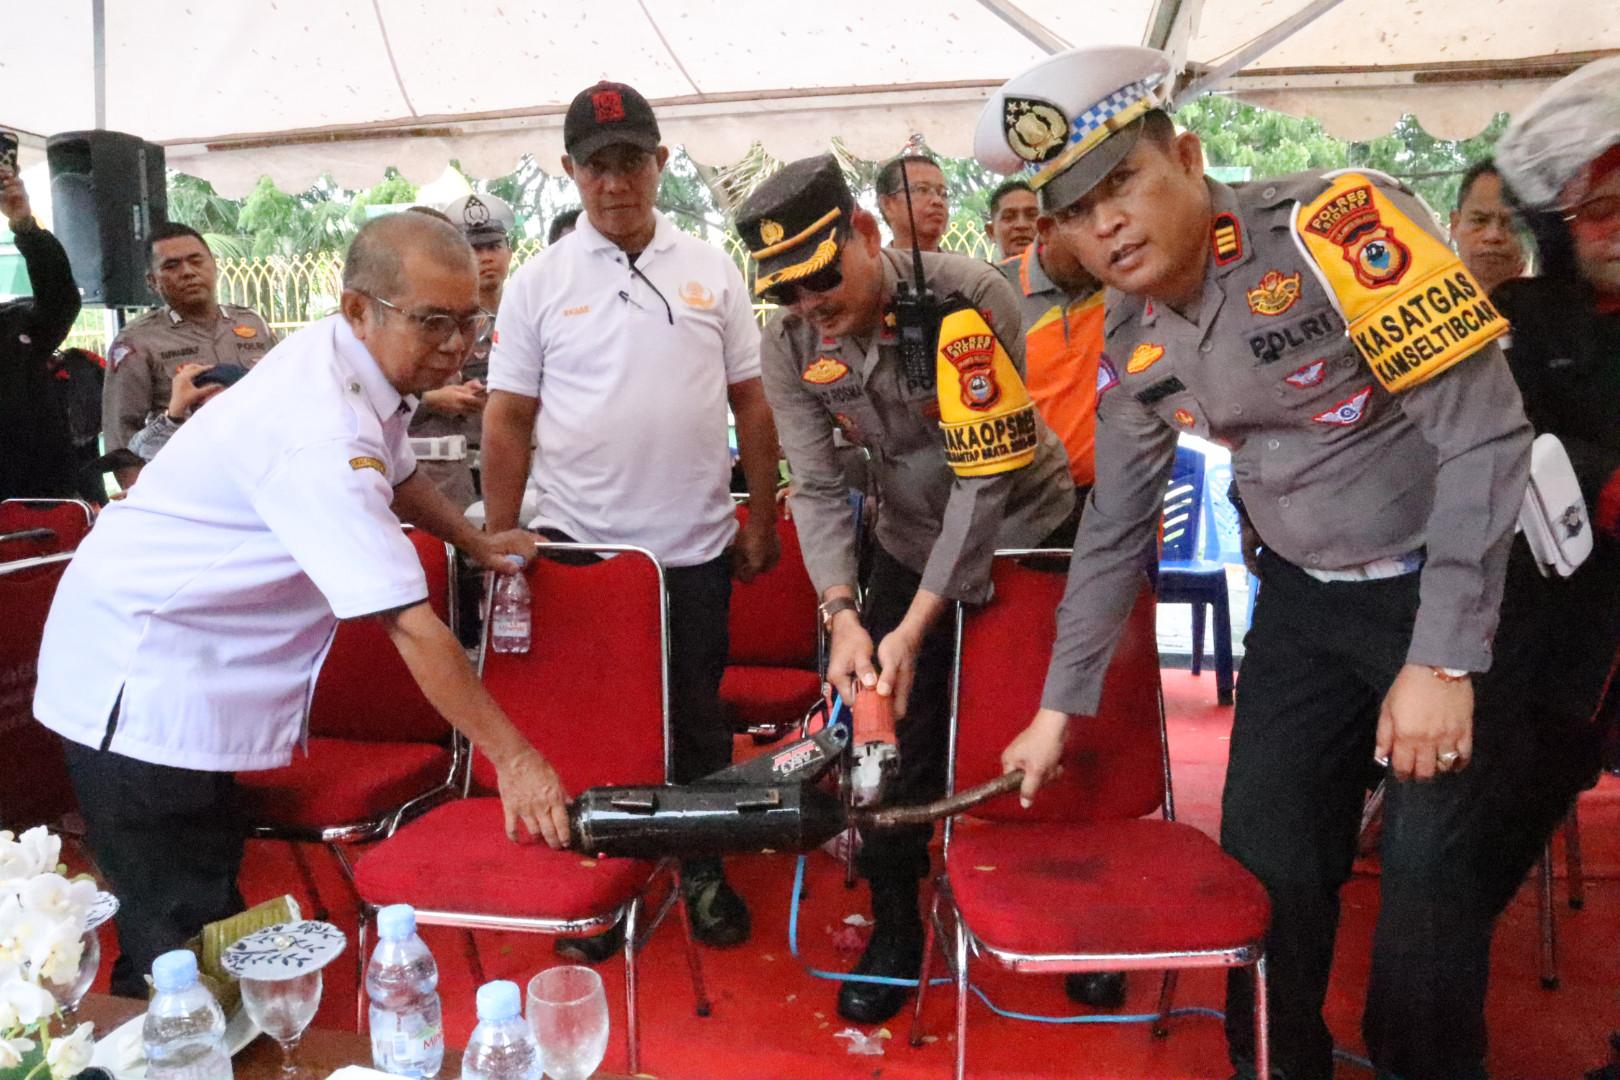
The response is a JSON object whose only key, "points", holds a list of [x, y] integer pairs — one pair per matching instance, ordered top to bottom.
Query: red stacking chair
{"points": [[30, 528], [772, 676], [592, 695], [378, 751], [34, 786], [1085, 880]]}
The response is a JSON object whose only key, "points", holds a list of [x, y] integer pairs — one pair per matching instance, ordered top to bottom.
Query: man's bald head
{"points": [[376, 261]]}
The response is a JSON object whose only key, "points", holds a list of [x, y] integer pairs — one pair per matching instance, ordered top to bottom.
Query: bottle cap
{"points": [[515, 559], [396, 922], [174, 971], [498, 1000]]}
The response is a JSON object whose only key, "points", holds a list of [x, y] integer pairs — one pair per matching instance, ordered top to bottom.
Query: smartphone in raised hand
{"points": [[8, 150]]}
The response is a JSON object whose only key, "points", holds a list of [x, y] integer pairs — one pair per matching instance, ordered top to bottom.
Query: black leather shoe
{"points": [[719, 916], [593, 949], [895, 953], [1099, 989]]}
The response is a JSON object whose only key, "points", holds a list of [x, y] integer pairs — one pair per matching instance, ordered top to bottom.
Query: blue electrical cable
{"points": [[1010, 1014]]}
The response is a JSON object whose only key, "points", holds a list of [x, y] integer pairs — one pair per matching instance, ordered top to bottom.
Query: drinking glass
{"points": [[69, 994], [283, 1008], [569, 1017]]}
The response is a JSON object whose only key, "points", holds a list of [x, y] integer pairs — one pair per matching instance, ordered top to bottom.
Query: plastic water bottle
{"points": [[509, 615], [407, 1028], [184, 1033], [501, 1047]]}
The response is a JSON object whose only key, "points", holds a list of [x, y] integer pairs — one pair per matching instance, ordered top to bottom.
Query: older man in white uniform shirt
{"points": [[187, 634]]}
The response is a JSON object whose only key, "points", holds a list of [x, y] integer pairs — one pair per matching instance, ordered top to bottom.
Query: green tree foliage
{"points": [[700, 199]]}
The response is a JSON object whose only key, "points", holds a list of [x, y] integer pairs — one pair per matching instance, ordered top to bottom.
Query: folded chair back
{"points": [[773, 617], [365, 691], [591, 691], [1114, 764], [34, 787]]}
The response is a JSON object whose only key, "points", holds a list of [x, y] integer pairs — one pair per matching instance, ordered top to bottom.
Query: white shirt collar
{"points": [[663, 234], [356, 359]]}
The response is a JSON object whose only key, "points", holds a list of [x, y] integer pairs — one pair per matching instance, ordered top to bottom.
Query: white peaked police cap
{"points": [[1070, 118], [478, 215]]}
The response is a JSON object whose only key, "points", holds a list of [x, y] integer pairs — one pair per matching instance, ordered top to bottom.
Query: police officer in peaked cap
{"points": [[1318, 326]]}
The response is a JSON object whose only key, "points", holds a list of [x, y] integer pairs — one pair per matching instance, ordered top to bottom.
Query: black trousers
{"points": [[699, 641], [1319, 659], [169, 842]]}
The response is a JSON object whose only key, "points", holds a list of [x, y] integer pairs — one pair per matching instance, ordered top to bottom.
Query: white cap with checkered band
{"points": [[1071, 118]]}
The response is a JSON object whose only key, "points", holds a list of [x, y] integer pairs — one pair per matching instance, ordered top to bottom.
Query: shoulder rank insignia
{"points": [[1226, 238], [1275, 294], [1412, 308], [1143, 357], [824, 369], [985, 412], [358, 463]]}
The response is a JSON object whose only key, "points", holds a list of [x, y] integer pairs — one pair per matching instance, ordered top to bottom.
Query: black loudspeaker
{"points": [[108, 192]]}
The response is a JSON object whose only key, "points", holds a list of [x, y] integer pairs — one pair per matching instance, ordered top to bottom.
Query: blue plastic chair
{"points": [[1186, 576]]}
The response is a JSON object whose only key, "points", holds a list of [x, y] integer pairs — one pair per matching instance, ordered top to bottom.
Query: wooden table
{"points": [[322, 1051]]}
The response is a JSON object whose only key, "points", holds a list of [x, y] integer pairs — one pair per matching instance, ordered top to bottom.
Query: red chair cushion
{"points": [[768, 696], [342, 781], [457, 858], [1108, 887]]}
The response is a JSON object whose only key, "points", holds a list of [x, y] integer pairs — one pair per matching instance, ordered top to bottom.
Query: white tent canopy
{"points": [[295, 88]]}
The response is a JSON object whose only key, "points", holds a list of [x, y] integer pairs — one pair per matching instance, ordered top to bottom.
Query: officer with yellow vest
{"points": [[1318, 325], [960, 460]]}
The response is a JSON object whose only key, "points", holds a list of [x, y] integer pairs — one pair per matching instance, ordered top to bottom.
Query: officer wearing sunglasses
{"points": [[831, 362]]}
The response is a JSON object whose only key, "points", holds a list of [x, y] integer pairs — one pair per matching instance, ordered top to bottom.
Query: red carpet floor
{"points": [[772, 1019]]}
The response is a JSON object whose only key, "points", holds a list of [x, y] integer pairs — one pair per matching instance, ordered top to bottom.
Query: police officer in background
{"points": [[191, 327], [832, 361], [457, 408], [1383, 470]]}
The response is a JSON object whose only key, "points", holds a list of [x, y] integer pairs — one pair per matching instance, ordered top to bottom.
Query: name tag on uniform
{"points": [[1160, 390]]}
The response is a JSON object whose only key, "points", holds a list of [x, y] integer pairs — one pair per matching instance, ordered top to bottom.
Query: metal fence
{"points": [[289, 292]]}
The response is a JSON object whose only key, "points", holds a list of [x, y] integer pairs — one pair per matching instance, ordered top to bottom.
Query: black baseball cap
{"points": [[605, 114]]}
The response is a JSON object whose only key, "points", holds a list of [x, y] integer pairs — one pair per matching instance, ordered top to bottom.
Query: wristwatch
{"points": [[830, 608], [1450, 674]]}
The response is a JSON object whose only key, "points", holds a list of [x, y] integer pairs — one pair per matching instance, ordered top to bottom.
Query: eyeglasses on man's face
{"points": [[438, 327]]}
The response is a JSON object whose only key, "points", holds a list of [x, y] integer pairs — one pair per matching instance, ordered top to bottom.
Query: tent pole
{"points": [[1026, 24], [98, 45], [1240, 58]]}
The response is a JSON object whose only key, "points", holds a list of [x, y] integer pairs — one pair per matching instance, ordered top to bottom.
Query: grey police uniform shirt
{"points": [[143, 358], [1334, 472], [454, 479], [944, 527]]}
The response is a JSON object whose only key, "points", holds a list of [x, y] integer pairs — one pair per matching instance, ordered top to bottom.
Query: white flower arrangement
{"points": [[43, 917]]}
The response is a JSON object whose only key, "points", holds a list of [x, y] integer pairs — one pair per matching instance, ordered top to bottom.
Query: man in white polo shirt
{"points": [[617, 352], [185, 639]]}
